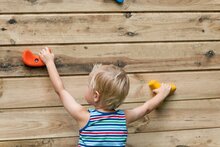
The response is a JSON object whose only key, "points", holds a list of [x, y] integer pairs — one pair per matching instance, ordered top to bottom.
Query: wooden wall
{"points": [[168, 40]]}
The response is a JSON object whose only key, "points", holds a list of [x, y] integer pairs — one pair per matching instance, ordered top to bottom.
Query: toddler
{"points": [[108, 86]]}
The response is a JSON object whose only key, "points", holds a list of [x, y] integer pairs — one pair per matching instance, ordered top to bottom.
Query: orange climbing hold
{"points": [[31, 59]]}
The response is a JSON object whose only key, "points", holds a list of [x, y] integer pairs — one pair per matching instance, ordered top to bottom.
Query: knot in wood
{"points": [[128, 14], [12, 21], [3, 29], [131, 34], [210, 53], [120, 63], [4, 65]]}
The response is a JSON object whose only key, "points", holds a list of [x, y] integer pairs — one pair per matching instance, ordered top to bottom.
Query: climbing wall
{"points": [[168, 40]]}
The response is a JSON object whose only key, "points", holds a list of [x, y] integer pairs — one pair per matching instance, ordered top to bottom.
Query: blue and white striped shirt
{"points": [[104, 129]]}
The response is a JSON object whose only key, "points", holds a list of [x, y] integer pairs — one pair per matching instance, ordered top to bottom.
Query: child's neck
{"points": [[104, 110]]}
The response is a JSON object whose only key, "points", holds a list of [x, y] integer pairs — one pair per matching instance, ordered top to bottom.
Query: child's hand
{"points": [[46, 55], [164, 90]]}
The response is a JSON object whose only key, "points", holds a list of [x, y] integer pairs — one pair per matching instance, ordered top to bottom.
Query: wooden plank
{"points": [[39, 6], [99, 28], [137, 57], [38, 92], [179, 115], [36, 123], [15, 124], [186, 138], [50, 142]]}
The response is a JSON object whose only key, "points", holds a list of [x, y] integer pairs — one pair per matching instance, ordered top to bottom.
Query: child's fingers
{"points": [[47, 49], [44, 51], [41, 52], [41, 56], [167, 86]]}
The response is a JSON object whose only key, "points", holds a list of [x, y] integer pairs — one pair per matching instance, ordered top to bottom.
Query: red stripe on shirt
{"points": [[103, 117], [112, 133]]}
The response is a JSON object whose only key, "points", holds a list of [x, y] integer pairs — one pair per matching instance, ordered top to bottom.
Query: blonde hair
{"points": [[111, 82]]}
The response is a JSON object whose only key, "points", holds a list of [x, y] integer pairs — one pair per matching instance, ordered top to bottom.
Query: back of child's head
{"points": [[112, 84]]}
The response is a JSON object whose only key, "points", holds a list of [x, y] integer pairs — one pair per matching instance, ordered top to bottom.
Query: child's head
{"points": [[108, 86]]}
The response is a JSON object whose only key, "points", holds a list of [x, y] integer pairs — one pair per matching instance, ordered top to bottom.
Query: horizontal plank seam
{"points": [[111, 12], [119, 42], [132, 73], [138, 102], [173, 130], [74, 136]]}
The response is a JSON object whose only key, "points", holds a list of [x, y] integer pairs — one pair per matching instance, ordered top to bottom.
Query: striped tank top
{"points": [[104, 129]]}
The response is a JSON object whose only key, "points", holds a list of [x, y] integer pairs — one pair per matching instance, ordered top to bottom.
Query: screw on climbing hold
{"points": [[36, 60]]}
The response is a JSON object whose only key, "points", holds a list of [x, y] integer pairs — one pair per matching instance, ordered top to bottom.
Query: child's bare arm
{"points": [[75, 109], [138, 112]]}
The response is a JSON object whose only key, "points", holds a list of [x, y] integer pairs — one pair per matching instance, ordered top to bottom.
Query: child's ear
{"points": [[96, 96]]}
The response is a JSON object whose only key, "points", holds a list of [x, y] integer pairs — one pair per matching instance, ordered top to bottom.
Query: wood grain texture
{"points": [[42, 6], [99, 28], [167, 40], [137, 57], [38, 92], [36, 123], [184, 138], [49, 142]]}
